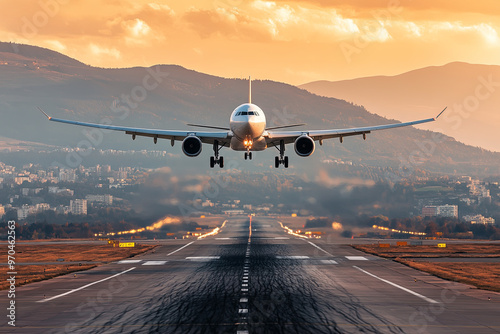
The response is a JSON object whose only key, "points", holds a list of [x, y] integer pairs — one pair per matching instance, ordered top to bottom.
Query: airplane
{"points": [[247, 132]]}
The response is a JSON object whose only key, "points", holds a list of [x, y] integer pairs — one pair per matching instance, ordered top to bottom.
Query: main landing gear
{"points": [[248, 155], [282, 159], [216, 160]]}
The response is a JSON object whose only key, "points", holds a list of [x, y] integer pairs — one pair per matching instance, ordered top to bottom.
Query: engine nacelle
{"points": [[191, 146], [304, 146]]}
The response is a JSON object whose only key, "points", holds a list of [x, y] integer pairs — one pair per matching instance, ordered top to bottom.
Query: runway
{"points": [[253, 279]]}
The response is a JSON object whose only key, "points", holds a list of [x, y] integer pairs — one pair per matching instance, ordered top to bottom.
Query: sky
{"points": [[288, 41]]}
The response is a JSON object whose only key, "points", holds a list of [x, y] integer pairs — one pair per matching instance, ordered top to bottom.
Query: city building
{"points": [[105, 199], [78, 206], [24, 211], [429, 211], [440, 211], [447, 211], [478, 219]]}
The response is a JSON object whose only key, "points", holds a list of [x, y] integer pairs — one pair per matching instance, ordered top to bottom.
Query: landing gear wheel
{"points": [[246, 155], [250, 155], [216, 159], [277, 162], [286, 162]]}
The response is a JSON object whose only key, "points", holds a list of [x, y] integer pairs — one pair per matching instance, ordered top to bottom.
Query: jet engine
{"points": [[191, 146], [304, 146]]}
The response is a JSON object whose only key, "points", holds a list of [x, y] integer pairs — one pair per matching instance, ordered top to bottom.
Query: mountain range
{"points": [[471, 92], [169, 96]]}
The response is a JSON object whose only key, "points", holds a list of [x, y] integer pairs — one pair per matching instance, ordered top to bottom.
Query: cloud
{"points": [[290, 40], [56, 45], [103, 51]]}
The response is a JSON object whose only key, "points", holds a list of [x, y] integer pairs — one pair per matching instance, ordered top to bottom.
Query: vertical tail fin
{"points": [[249, 89]]}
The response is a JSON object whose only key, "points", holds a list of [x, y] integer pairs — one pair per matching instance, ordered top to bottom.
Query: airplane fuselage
{"points": [[248, 124]]}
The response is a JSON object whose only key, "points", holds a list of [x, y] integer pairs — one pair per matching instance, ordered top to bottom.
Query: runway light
{"points": [[155, 226], [376, 227], [214, 231], [290, 231]]}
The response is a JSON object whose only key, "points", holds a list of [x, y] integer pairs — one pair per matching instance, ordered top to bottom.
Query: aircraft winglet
{"points": [[43, 112], [440, 113]]}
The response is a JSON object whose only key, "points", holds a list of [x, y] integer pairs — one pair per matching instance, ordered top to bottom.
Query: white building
{"points": [[67, 175], [105, 199], [78, 206], [42, 207], [24, 211], [447, 211], [479, 219]]}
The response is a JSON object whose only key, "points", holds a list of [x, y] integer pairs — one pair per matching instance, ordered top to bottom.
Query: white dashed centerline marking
{"points": [[298, 257], [202, 258], [328, 262], [427, 299], [243, 310]]}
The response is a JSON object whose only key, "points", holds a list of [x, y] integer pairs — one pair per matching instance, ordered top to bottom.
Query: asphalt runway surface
{"points": [[256, 279]]}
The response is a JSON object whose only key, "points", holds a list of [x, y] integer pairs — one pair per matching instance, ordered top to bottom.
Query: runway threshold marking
{"points": [[175, 251], [356, 258], [129, 261], [154, 263], [85, 286], [427, 299]]}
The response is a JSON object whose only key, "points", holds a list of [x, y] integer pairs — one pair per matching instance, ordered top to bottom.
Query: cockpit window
{"points": [[247, 113]]}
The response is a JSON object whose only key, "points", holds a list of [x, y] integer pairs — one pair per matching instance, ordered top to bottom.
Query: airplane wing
{"points": [[223, 137], [273, 138]]}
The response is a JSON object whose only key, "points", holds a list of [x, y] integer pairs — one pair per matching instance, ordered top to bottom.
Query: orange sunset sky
{"points": [[289, 41]]}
